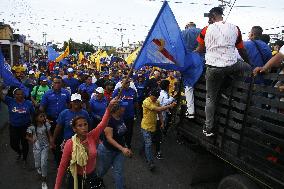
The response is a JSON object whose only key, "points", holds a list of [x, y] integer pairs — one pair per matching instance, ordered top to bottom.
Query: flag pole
{"points": [[150, 31]]}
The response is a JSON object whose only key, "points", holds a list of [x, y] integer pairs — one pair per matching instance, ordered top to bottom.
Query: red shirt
{"points": [[108, 95], [91, 143]]}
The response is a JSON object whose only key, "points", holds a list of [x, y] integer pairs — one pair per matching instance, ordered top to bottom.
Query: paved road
{"points": [[173, 172]]}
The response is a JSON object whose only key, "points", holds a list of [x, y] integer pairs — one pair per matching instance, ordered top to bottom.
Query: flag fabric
{"points": [[164, 45], [52, 55], [63, 55], [80, 57], [131, 58], [193, 68], [8, 77]]}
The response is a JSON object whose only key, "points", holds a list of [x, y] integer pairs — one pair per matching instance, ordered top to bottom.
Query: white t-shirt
{"points": [[220, 41], [282, 50]]}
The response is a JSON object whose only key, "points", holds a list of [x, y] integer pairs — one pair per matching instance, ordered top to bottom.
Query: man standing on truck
{"points": [[220, 40]]}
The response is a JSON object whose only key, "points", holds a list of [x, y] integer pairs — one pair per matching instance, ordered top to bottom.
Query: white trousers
{"points": [[188, 91]]}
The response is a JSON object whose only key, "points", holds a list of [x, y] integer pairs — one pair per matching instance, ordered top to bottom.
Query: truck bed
{"points": [[249, 128]]}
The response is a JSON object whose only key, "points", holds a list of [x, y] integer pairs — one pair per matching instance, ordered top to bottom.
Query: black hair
{"points": [[257, 31], [265, 38], [280, 43], [165, 84], [16, 89], [155, 92], [75, 119], [34, 121]]}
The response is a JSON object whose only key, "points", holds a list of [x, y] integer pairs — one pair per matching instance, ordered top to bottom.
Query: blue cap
{"points": [[43, 78]]}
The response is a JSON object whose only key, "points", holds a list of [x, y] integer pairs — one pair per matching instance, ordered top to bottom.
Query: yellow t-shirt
{"points": [[19, 68], [172, 84], [149, 120]]}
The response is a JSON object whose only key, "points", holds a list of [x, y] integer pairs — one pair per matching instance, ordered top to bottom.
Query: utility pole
{"points": [[121, 34], [44, 38]]}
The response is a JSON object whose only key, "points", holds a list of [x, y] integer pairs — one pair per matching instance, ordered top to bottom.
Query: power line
{"points": [[230, 10]]}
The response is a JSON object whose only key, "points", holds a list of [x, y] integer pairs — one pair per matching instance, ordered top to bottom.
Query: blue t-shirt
{"points": [[189, 37], [255, 56], [72, 83], [88, 88], [140, 90], [130, 97], [55, 102], [98, 107], [19, 113], [65, 118], [119, 132]]}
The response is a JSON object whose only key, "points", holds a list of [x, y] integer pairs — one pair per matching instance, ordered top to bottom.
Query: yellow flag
{"points": [[63, 55], [80, 57], [131, 58], [97, 59]]}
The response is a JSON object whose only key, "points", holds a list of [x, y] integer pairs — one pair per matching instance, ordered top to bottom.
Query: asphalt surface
{"points": [[173, 172]]}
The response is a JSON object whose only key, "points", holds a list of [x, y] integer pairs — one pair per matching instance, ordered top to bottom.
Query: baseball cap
{"points": [[217, 10], [70, 70], [31, 72], [43, 78], [100, 90], [76, 96]]}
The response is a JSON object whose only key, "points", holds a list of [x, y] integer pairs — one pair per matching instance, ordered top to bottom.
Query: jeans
{"points": [[215, 76], [188, 91], [129, 125], [17, 137], [147, 137], [41, 156], [108, 158]]}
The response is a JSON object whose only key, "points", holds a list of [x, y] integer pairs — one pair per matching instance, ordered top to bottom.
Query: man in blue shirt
{"points": [[190, 35], [258, 51], [70, 81], [87, 87], [128, 95], [55, 100], [98, 105], [64, 122]]}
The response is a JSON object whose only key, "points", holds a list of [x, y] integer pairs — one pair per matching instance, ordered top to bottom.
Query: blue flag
{"points": [[164, 45], [52, 55], [8, 77]]}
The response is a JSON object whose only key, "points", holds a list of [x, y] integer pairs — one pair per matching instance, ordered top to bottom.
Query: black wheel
{"points": [[237, 182]]}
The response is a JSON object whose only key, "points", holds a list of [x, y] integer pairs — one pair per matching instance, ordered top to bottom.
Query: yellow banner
{"points": [[63, 55]]}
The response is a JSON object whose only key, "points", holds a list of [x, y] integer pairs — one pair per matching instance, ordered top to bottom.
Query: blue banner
{"points": [[164, 45], [8, 77]]}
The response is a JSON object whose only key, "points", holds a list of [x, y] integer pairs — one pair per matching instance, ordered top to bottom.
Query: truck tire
{"points": [[237, 182]]}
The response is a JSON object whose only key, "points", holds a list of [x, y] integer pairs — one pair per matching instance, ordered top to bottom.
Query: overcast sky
{"points": [[98, 21]]}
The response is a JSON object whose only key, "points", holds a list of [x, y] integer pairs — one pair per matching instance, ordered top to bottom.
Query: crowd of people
{"points": [[82, 113]]}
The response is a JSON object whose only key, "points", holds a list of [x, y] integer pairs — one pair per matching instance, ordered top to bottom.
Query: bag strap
{"points": [[257, 46]]}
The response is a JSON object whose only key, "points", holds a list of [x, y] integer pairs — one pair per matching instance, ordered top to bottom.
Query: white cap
{"points": [[70, 70], [31, 72], [100, 90], [76, 96]]}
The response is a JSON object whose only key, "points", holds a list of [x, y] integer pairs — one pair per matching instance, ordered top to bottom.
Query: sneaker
{"points": [[189, 116], [208, 133], [159, 156], [151, 166], [38, 171], [44, 185]]}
